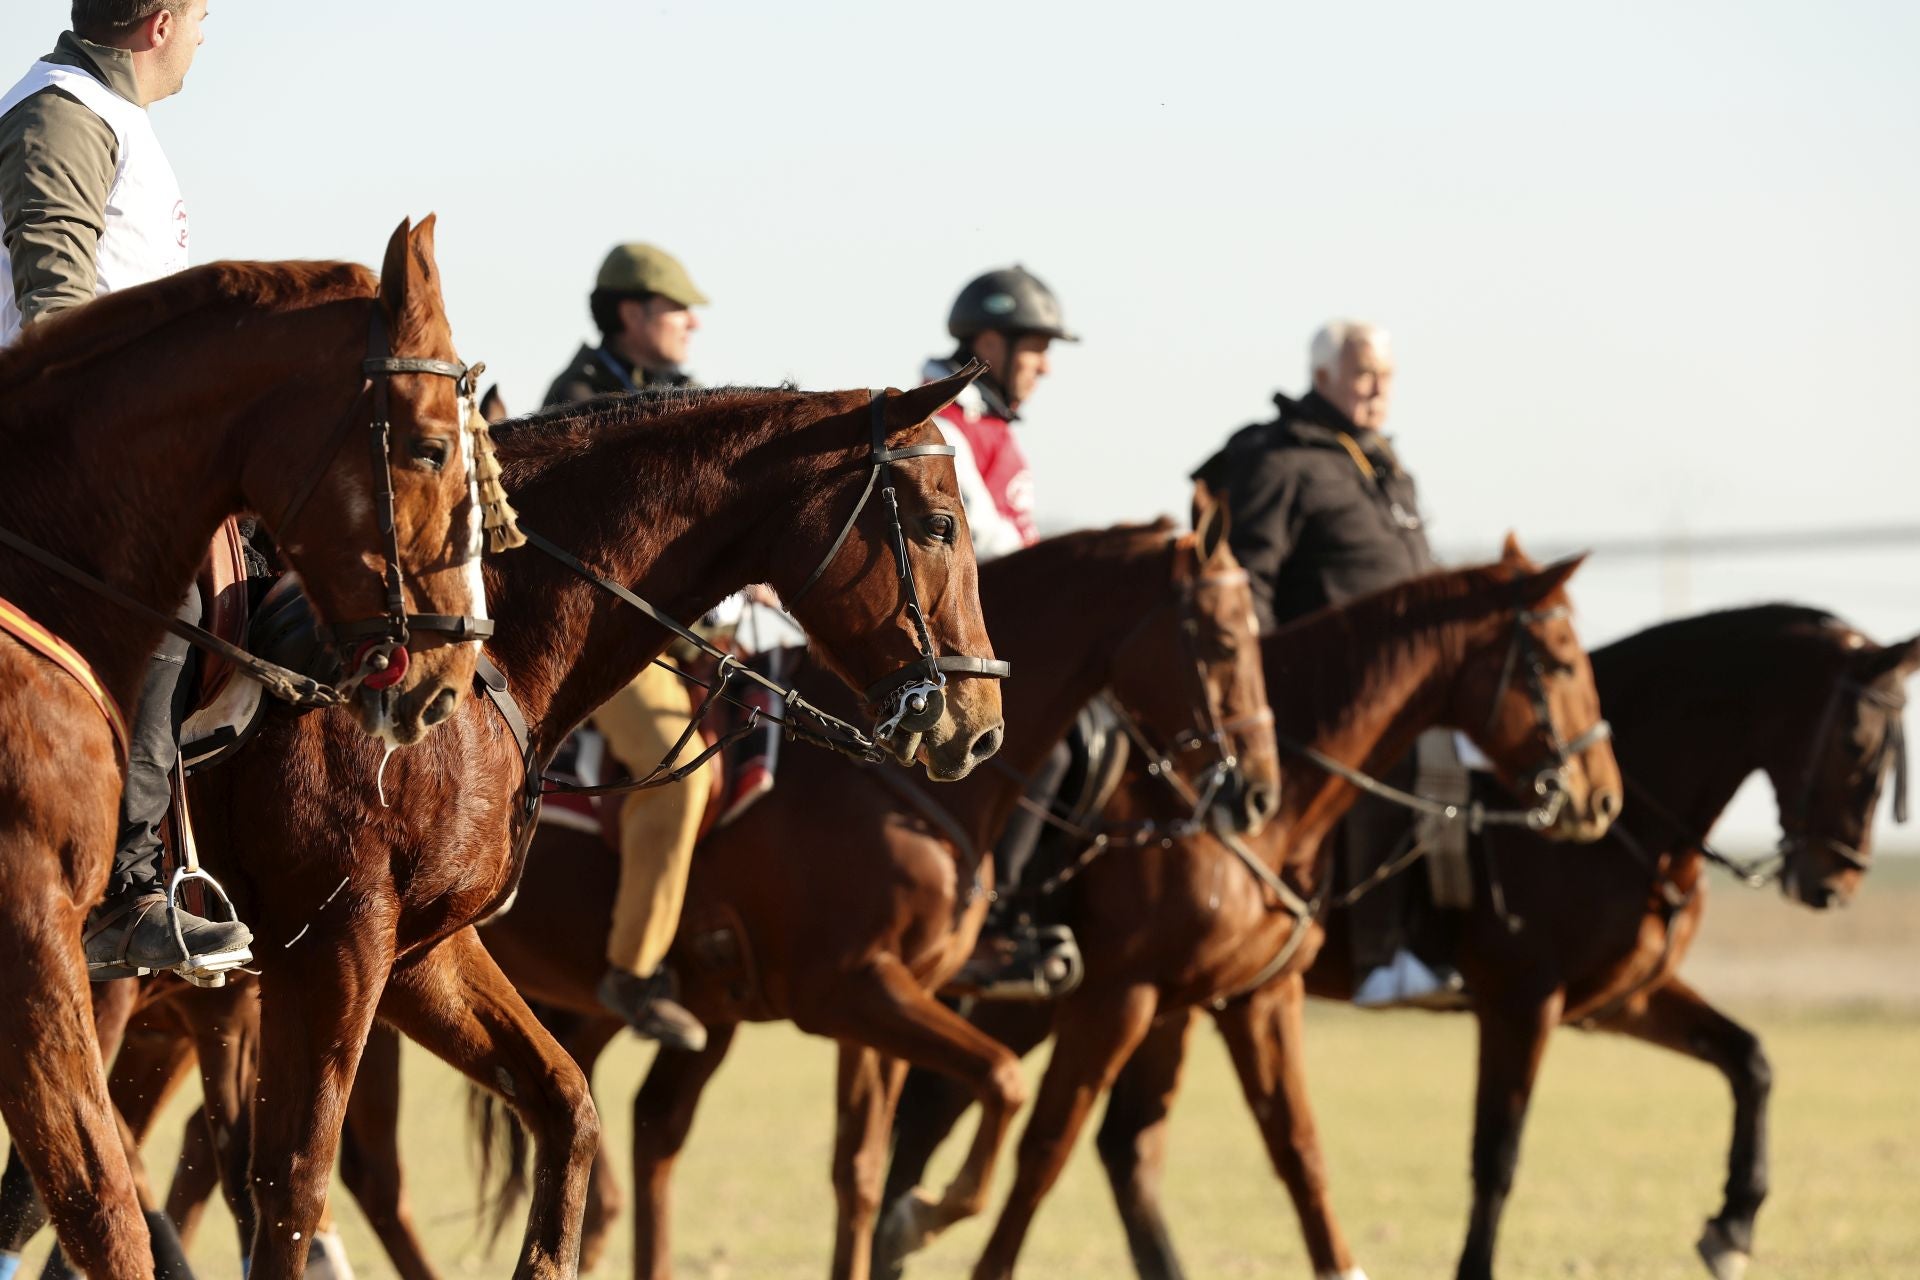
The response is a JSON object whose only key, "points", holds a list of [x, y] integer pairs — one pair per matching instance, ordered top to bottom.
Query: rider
{"points": [[91, 205], [643, 304], [1009, 320], [1323, 512]]}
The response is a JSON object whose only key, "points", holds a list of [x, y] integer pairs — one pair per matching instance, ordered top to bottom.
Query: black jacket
{"points": [[1321, 510]]}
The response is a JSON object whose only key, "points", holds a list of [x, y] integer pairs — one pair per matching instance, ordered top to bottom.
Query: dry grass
{"points": [[1624, 1155]]}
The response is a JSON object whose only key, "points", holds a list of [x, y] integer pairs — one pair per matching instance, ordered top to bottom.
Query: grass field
{"points": [[1624, 1153]]}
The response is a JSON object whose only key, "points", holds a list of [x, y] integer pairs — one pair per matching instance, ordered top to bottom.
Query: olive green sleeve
{"points": [[57, 161]]}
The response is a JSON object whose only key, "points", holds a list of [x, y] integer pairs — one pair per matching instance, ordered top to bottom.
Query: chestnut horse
{"points": [[133, 426], [683, 497], [1696, 705], [843, 901], [1195, 924], [852, 945]]}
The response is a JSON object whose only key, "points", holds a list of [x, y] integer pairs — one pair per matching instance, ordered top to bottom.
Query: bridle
{"points": [[379, 644], [382, 658], [912, 698], [1548, 782], [1794, 838]]}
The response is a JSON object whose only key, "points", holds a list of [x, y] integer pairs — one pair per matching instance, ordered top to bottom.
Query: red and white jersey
{"points": [[996, 485]]}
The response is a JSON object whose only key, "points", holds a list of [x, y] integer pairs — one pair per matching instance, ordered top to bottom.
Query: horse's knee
{"points": [[1755, 1072], [1006, 1086], [577, 1116]]}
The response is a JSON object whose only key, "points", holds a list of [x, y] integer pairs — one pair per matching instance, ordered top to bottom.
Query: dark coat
{"points": [[595, 372], [1321, 511]]}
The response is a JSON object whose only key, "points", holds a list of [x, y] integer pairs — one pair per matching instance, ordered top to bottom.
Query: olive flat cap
{"points": [[645, 268]]}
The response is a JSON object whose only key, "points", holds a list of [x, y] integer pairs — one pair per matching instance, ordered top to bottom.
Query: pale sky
{"points": [[1649, 267]]}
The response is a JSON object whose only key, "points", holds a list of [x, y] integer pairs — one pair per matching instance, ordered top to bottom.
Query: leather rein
{"points": [[382, 657]]}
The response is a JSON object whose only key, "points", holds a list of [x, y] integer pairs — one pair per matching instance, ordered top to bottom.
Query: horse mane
{"points": [[113, 320], [1053, 559], [1729, 634], [1313, 662]]}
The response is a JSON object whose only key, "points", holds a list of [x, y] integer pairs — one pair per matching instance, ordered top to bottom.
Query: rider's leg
{"points": [[658, 829], [131, 920], [1386, 971]]}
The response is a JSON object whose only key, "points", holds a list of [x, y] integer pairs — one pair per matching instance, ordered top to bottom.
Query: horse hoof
{"points": [[906, 1229], [327, 1258], [1724, 1261]]}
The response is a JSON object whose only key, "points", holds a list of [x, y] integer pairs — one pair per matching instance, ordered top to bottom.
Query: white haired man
{"points": [[1323, 512]]}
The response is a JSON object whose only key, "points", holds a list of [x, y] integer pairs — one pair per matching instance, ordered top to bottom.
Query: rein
{"points": [[382, 659]]}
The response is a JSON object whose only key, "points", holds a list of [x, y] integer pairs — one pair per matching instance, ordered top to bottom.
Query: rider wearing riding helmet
{"points": [[90, 205], [1008, 320], [1323, 512]]}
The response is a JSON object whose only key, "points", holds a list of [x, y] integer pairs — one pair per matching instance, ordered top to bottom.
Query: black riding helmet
{"points": [[1011, 300]]}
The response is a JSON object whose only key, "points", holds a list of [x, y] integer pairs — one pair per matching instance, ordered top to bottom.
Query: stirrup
{"points": [[1043, 963], [212, 968]]}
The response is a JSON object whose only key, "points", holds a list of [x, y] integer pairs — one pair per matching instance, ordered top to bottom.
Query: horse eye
{"points": [[431, 452], [941, 527]]}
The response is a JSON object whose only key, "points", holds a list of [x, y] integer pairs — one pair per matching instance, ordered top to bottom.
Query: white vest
{"points": [[145, 235]]}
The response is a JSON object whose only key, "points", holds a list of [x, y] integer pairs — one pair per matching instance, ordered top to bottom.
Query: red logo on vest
{"points": [[180, 221]]}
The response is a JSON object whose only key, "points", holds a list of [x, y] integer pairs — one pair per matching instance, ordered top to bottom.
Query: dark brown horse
{"points": [[133, 426], [1697, 706], [361, 909], [1169, 930]]}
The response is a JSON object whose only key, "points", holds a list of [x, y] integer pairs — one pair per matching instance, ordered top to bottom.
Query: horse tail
{"points": [[501, 1144]]}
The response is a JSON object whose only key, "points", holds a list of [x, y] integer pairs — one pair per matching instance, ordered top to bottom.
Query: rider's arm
{"points": [[57, 161], [1264, 518], [993, 534]]}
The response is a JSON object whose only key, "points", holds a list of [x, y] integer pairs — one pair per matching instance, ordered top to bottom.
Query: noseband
{"points": [[1524, 655], [378, 656], [914, 697], [1893, 747]]}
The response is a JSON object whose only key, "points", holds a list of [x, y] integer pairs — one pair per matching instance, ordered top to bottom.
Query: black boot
{"points": [[648, 1006]]}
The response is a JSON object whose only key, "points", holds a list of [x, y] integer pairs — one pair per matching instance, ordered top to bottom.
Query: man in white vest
{"points": [[90, 205]]}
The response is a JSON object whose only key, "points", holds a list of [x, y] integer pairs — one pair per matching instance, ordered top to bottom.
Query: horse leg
{"points": [[317, 1001], [455, 1002], [883, 1007], [1677, 1018], [225, 1025], [1096, 1032], [1264, 1035], [1513, 1039], [584, 1044], [865, 1091], [54, 1099], [931, 1103], [662, 1116], [1132, 1142], [370, 1155], [196, 1176]]}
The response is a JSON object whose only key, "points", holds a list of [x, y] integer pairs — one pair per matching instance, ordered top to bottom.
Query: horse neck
{"points": [[130, 482], [678, 525], [1062, 645], [1367, 699]]}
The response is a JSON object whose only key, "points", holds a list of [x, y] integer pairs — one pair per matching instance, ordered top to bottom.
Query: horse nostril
{"points": [[440, 708], [986, 744], [1263, 802], [1607, 805]]}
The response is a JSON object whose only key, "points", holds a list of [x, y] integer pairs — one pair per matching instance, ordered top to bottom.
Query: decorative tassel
{"points": [[497, 515]]}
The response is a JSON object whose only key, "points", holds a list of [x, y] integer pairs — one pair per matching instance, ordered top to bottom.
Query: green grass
{"points": [[1623, 1158]]}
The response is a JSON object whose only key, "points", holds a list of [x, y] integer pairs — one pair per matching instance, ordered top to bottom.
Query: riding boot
{"points": [[751, 762], [131, 930], [647, 1005]]}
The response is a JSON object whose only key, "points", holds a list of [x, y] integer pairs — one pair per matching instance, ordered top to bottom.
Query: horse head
{"points": [[387, 531], [897, 606], [1190, 674], [1533, 698], [1827, 774]]}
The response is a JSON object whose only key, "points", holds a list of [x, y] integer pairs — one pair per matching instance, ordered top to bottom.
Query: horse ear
{"points": [[393, 272], [493, 406], [911, 408], [1209, 521], [1510, 552], [1541, 583], [1902, 658]]}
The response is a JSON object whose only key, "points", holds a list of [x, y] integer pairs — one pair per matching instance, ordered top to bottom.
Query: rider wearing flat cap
{"points": [[90, 205], [643, 304], [1322, 511]]}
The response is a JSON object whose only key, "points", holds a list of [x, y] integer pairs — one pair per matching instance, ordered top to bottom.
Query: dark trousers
{"points": [[166, 699], [1025, 828], [1372, 832]]}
